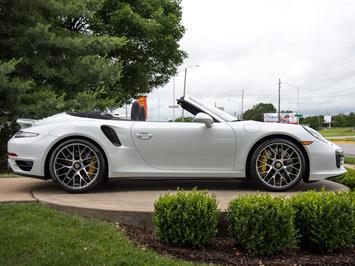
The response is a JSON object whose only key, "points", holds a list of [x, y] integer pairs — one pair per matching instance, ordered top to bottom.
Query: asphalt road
{"points": [[349, 149]]}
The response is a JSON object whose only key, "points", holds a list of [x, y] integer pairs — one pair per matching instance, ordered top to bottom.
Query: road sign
{"points": [[174, 106], [299, 115]]}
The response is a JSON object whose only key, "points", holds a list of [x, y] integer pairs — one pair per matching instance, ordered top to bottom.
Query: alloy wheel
{"points": [[279, 165], [76, 166]]}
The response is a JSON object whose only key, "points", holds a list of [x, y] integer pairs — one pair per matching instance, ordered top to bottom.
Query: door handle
{"points": [[144, 135]]}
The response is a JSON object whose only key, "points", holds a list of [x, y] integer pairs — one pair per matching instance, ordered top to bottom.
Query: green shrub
{"points": [[347, 179], [186, 218], [325, 220], [261, 224]]}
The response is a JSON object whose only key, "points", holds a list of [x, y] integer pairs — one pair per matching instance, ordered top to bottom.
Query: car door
{"points": [[185, 146]]}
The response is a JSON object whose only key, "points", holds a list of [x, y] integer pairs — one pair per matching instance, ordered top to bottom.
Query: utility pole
{"points": [[184, 94], [173, 99], [298, 99], [158, 108], [279, 110], [241, 115]]}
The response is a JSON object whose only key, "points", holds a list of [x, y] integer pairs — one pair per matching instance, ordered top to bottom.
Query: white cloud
{"points": [[250, 44]]}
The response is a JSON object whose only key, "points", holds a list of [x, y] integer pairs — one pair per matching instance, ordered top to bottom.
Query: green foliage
{"points": [[152, 29], [78, 46], [57, 51], [83, 54], [257, 112], [186, 119], [339, 120], [344, 120], [314, 122], [6, 132], [347, 179], [186, 218], [325, 220], [261, 224], [32, 234]]}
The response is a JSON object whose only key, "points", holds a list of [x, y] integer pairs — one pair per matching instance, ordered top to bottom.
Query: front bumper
{"points": [[326, 160]]}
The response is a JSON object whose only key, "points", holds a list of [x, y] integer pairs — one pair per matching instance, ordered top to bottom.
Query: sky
{"points": [[252, 44]]}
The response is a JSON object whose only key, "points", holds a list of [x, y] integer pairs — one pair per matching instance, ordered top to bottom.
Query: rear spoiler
{"points": [[25, 122]]}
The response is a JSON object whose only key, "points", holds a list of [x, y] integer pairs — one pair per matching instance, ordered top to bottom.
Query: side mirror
{"points": [[205, 119]]}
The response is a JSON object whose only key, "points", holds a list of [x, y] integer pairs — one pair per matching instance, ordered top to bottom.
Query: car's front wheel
{"points": [[278, 164], [77, 165]]}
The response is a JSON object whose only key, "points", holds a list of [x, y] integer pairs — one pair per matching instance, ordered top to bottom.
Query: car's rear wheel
{"points": [[278, 164], [77, 165]]}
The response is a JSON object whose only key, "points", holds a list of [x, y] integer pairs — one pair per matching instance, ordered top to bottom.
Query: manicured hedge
{"points": [[347, 179], [186, 218], [325, 220], [261, 224]]}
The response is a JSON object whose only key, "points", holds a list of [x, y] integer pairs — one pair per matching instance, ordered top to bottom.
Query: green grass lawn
{"points": [[337, 132], [350, 160], [2, 175], [32, 234]]}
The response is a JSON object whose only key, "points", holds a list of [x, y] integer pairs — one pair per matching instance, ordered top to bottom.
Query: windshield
{"points": [[218, 112]]}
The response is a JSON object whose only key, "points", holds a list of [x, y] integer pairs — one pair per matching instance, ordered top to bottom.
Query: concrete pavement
{"points": [[17, 189], [140, 195], [132, 201]]}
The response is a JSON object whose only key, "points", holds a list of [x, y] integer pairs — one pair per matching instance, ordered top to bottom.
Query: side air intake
{"points": [[111, 135]]}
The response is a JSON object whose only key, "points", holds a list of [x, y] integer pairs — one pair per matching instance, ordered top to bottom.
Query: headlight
{"points": [[315, 133], [23, 134]]}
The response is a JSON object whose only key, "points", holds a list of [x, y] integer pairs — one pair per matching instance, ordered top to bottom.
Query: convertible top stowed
{"points": [[95, 115]]}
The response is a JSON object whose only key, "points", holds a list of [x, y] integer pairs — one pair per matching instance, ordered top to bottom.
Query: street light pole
{"points": [[184, 92], [298, 97], [173, 99], [278, 109], [241, 115]]}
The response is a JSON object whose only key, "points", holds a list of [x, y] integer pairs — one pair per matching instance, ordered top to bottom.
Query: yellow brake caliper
{"points": [[263, 162], [92, 166]]}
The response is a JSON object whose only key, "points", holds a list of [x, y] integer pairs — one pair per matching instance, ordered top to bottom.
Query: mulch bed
{"points": [[223, 251]]}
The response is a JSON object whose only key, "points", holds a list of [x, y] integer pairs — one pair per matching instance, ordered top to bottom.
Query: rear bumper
{"points": [[28, 155], [26, 175]]}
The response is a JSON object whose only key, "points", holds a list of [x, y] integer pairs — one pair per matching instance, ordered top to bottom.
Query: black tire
{"points": [[99, 160], [290, 170]]}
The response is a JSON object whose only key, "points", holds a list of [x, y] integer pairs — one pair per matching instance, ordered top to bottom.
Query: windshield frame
{"points": [[216, 113]]}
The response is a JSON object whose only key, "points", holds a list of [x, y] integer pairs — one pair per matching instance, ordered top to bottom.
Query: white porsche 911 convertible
{"points": [[79, 151]]}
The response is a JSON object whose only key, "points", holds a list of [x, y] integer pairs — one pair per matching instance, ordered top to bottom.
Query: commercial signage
{"points": [[271, 117], [286, 118], [327, 119]]}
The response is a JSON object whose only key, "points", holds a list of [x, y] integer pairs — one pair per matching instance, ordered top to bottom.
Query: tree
{"points": [[153, 29], [55, 48], [91, 53], [58, 55], [257, 112], [186, 119], [314, 122]]}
